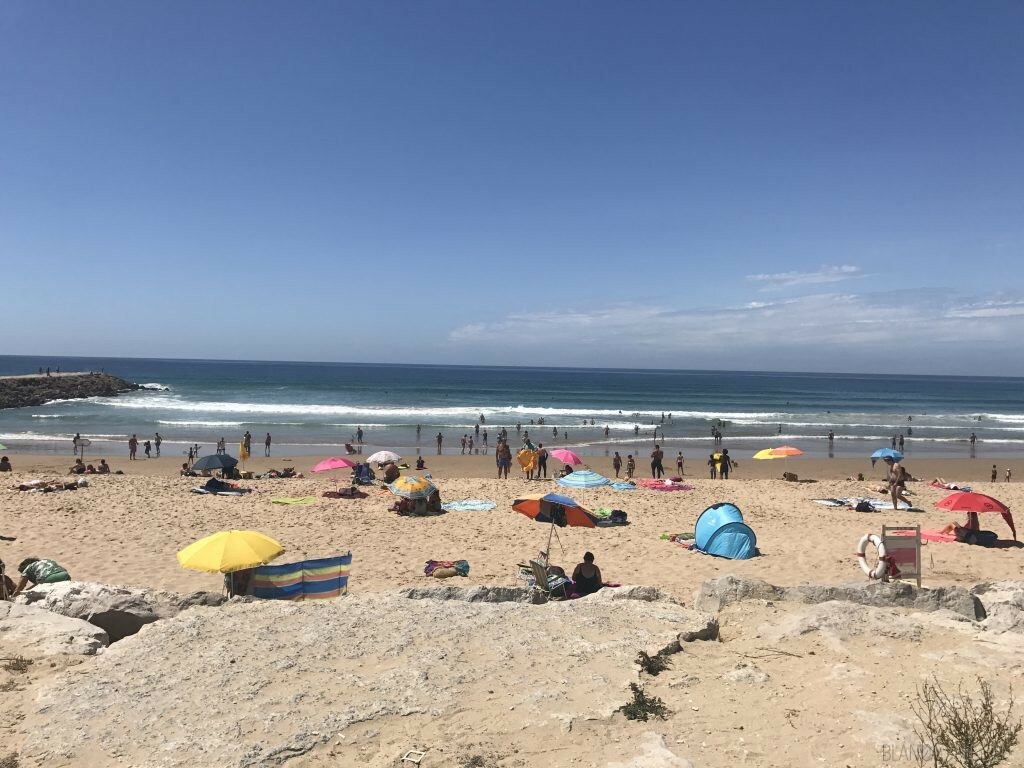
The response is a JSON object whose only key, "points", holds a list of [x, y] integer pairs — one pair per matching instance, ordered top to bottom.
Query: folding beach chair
{"points": [[363, 475], [552, 586]]}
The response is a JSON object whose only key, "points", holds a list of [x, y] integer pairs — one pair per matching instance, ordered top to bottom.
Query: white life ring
{"points": [[882, 566]]}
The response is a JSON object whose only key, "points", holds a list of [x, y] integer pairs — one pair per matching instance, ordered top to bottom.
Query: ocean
{"points": [[314, 408]]}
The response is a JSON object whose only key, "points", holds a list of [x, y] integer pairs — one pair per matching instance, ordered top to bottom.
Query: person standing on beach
{"points": [[417, 432], [359, 434], [831, 438], [440, 439], [974, 439], [247, 441], [485, 441], [900, 441], [462, 442], [894, 442], [74, 443], [156, 443], [266, 445], [133, 446], [221, 446], [146, 448], [657, 455], [503, 457], [542, 461], [616, 463], [679, 463], [712, 465], [724, 465], [630, 466], [995, 473], [897, 483]]}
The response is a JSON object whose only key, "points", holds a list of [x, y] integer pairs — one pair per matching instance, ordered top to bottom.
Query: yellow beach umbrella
{"points": [[243, 452], [781, 452], [766, 453], [412, 487], [229, 551]]}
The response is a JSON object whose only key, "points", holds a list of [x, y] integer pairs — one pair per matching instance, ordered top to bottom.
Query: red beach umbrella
{"points": [[965, 501]]}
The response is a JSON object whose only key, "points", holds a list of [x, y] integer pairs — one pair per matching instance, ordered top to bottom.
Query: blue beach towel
{"points": [[623, 487]]}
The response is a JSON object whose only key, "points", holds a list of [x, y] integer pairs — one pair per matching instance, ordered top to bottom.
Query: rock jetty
{"points": [[35, 389]]}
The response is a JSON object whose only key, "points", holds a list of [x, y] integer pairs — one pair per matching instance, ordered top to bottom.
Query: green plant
{"points": [[652, 665], [643, 707], [959, 732]]}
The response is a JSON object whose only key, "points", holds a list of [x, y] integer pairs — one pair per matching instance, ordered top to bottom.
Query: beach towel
{"points": [[662, 485], [623, 486], [232, 492], [297, 500], [853, 501], [468, 505], [929, 535], [319, 579]]}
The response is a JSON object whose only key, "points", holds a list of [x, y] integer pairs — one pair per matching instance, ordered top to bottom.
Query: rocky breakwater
{"points": [[25, 391]]}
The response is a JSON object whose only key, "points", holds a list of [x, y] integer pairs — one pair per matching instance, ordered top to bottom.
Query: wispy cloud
{"points": [[823, 275], [889, 332]]}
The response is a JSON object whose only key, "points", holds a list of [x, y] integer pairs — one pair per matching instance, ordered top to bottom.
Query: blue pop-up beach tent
{"points": [[720, 531]]}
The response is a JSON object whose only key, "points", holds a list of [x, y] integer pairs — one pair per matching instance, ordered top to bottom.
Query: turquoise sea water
{"points": [[314, 408]]}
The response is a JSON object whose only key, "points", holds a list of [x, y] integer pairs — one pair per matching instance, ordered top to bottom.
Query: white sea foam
{"points": [[156, 385], [47, 416]]}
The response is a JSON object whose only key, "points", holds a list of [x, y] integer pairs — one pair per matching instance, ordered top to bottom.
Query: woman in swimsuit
{"points": [[587, 576]]}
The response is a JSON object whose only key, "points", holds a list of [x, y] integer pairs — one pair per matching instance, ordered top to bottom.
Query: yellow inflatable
{"points": [[527, 460]]}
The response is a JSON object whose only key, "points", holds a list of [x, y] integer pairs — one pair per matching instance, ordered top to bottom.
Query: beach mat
{"points": [[661, 485], [295, 501], [853, 501], [468, 505]]}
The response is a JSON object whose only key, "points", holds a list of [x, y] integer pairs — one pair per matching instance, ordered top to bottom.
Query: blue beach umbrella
{"points": [[887, 453], [584, 478]]}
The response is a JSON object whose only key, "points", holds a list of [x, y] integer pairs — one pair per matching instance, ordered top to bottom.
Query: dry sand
{"points": [[126, 529]]}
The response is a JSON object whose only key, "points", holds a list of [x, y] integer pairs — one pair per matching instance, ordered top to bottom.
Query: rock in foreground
{"points": [[260, 683]]}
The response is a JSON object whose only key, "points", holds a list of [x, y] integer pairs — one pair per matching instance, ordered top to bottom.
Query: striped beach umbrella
{"points": [[583, 478]]}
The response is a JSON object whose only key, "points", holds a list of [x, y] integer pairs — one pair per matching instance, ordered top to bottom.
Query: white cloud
{"points": [[824, 274], [890, 332]]}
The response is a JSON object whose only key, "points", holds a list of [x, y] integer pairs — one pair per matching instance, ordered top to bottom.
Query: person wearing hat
{"points": [[38, 571]]}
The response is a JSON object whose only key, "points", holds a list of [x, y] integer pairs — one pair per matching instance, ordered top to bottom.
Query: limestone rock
{"points": [[715, 594], [1003, 603], [120, 611], [28, 630], [746, 673], [259, 683], [653, 754]]}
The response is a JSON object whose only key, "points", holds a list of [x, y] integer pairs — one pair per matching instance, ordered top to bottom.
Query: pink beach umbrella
{"points": [[566, 456], [335, 462]]}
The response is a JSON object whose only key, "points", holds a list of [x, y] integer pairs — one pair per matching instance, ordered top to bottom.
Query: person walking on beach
{"points": [[831, 438], [440, 439], [974, 439], [247, 441], [485, 441], [900, 441], [462, 442], [74, 443], [156, 443], [266, 445], [469, 445], [133, 446], [221, 446], [146, 448], [657, 455], [191, 458], [542, 461], [616, 463], [679, 463], [724, 465], [1007, 474], [897, 483]]}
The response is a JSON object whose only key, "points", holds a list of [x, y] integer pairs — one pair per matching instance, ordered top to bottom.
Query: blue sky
{"points": [[776, 186]]}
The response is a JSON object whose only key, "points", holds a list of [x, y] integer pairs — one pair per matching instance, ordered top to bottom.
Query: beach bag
{"points": [[864, 506], [618, 516]]}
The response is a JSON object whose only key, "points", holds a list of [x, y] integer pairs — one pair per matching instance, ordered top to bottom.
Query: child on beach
{"points": [[630, 466]]}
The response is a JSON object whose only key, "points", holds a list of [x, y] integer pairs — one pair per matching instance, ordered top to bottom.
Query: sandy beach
{"points": [[127, 528]]}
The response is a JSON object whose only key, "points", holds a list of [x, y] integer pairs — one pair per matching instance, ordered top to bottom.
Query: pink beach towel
{"points": [[661, 485]]}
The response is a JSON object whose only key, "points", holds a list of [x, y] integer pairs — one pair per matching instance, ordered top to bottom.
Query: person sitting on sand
{"points": [[420, 463], [5, 465], [78, 468], [103, 468], [90, 469], [186, 472], [391, 472], [973, 525], [38, 571], [587, 576], [6, 584]]}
